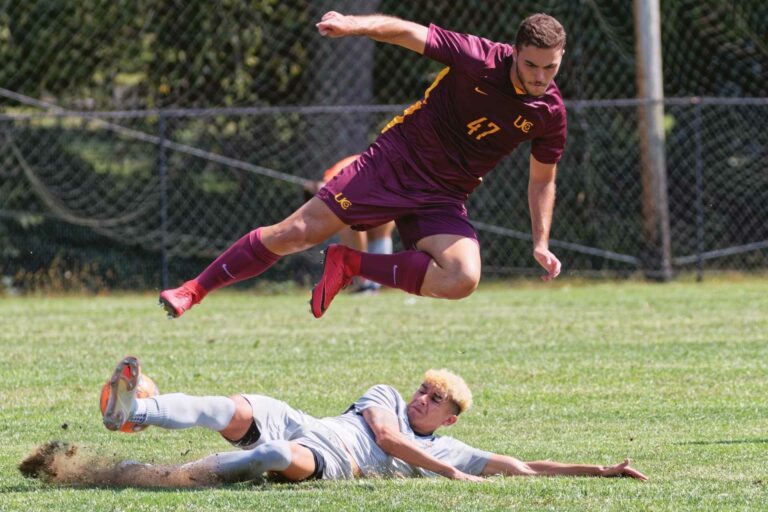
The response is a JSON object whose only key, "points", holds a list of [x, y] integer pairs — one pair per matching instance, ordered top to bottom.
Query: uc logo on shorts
{"points": [[343, 201]]}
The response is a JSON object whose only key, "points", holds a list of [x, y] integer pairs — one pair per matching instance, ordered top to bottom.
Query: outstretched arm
{"points": [[385, 29], [541, 202], [389, 438], [510, 466]]}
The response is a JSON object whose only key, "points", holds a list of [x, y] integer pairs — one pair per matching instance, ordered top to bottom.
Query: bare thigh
{"points": [[311, 224]]}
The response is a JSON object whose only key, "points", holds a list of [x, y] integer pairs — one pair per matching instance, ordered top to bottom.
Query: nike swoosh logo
{"points": [[478, 90], [226, 270], [394, 275]]}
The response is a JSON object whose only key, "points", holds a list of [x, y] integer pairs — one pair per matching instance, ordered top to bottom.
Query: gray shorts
{"points": [[278, 421]]}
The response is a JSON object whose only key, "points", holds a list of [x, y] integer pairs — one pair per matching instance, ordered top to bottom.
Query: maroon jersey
{"points": [[472, 116]]}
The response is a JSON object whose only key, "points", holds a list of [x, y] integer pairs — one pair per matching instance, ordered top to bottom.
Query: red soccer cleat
{"points": [[337, 275], [178, 300]]}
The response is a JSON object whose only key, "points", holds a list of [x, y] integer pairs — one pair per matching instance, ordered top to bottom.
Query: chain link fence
{"points": [[135, 135]]}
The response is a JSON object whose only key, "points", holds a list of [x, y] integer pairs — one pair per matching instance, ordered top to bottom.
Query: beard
{"points": [[525, 86]]}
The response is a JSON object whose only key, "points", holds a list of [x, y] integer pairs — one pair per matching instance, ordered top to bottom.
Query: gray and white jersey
{"points": [[358, 437]]}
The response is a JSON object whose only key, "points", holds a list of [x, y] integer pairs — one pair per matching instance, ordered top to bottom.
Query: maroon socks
{"points": [[246, 258], [404, 270]]}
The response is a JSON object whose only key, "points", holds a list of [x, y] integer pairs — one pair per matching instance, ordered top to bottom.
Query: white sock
{"points": [[380, 246], [177, 410]]}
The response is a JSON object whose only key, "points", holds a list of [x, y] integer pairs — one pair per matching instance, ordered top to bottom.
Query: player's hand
{"points": [[335, 24], [548, 261], [623, 469]]}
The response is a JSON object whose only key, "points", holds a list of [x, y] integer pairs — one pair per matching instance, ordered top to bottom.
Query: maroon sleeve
{"points": [[454, 49], [549, 147]]}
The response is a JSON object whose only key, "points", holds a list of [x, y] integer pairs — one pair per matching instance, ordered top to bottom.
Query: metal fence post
{"points": [[698, 166], [163, 172], [655, 200]]}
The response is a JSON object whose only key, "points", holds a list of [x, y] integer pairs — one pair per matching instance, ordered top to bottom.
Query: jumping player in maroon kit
{"points": [[421, 169]]}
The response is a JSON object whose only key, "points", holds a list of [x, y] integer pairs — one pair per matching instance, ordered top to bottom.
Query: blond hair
{"points": [[452, 385]]}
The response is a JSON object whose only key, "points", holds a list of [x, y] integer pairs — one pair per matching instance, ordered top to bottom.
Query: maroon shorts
{"points": [[376, 189]]}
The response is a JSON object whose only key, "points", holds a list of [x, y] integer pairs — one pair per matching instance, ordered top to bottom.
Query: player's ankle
{"points": [[352, 258], [197, 289], [138, 412]]}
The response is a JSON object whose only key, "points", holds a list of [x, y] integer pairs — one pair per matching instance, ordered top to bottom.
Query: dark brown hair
{"points": [[542, 31]]}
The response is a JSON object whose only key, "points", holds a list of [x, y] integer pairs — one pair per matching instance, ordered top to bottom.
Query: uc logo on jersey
{"points": [[523, 124]]}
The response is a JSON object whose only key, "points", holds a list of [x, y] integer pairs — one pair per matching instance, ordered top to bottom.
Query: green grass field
{"points": [[673, 376]]}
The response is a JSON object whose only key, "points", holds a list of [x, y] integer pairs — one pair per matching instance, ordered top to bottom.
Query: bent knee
{"points": [[289, 236], [462, 284], [241, 420], [273, 455]]}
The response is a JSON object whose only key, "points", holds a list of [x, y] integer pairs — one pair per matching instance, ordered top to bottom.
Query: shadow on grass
{"points": [[726, 441]]}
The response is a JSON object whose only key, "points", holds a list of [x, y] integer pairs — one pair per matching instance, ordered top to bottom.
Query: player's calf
{"points": [[246, 258], [243, 466]]}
